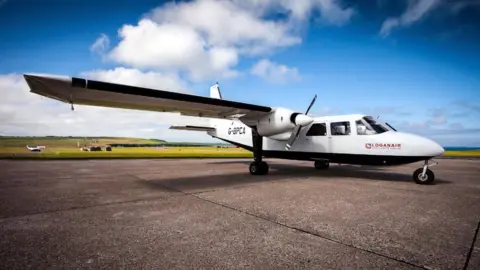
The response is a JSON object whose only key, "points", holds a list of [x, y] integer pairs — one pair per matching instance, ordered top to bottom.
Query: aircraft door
{"points": [[339, 136], [317, 138]]}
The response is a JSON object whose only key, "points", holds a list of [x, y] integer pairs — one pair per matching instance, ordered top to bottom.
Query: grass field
{"points": [[67, 148]]}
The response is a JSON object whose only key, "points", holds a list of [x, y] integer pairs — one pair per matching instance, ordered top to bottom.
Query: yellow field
{"points": [[130, 152], [467, 153]]}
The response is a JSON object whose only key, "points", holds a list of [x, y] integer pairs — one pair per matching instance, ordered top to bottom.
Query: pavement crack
{"points": [[195, 195], [310, 233], [469, 255]]}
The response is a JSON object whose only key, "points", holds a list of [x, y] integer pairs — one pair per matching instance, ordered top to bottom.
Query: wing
{"points": [[96, 93], [193, 128]]}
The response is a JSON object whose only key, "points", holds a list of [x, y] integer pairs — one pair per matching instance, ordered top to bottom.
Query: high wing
{"points": [[96, 93]]}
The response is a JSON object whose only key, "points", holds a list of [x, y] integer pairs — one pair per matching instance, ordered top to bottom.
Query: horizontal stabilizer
{"points": [[193, 128]]}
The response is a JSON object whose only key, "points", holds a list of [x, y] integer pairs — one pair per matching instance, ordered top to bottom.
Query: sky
{"points": [[415, 63]]}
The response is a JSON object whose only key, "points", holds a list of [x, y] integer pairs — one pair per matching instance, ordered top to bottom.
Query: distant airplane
{"points": [[274, 132], [34, 148]]}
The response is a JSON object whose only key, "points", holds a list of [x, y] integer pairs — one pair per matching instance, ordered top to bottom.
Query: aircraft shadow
{"points": [[279, 172]]}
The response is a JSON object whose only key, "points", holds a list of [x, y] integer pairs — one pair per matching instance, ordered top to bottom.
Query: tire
{"points": [[321, 164], [264, 167], [260, 168], [428, 178]]}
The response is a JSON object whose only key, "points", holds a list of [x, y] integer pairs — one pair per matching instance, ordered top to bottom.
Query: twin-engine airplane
{"points": [[273, 132]]}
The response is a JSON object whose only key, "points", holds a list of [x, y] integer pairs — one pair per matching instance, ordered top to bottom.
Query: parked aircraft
{"points": [[273, 132], [34, 148]]}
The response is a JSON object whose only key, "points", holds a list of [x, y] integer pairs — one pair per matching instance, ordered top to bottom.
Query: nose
{"points": [[435, 149]]}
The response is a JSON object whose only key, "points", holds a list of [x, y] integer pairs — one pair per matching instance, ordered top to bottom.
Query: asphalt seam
{"points": [[293, 228], [309, 232], [469, 255]]}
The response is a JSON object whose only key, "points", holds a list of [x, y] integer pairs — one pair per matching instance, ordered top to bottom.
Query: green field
{"points": [[68, 148]]}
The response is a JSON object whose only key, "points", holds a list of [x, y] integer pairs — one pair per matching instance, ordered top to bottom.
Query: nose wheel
{"points": [[424, 176]]}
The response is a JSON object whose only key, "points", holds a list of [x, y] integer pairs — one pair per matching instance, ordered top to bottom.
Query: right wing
{"points": [[96, 93]]}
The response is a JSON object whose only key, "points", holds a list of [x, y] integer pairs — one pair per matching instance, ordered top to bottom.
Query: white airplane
{"points": [[273, 132], [34, 148]]}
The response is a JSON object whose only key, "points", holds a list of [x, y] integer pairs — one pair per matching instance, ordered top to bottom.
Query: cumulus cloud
{"points": [[416, 10], [206, 38], [203, 39], [101, 45], [275, 72], [24, 113]]}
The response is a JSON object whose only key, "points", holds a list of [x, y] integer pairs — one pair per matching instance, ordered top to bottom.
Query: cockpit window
{"points": [[368, 126]]}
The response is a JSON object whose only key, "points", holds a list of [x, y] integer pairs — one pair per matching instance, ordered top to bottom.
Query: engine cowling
{"points": [[281, 122]]}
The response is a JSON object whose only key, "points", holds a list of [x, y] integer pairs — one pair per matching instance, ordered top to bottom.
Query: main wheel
{"points": [[321, 164], [258, 168], [423, 180]]}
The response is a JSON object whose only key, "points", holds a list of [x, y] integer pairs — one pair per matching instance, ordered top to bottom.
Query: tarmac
{"points": [[211, 213]]}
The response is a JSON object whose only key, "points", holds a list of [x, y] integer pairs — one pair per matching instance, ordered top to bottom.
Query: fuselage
{"points": [[348, 139]]}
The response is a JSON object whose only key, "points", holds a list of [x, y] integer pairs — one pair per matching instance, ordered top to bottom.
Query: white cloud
{"points": [[416, 10], [206, 38], [101, 45], [274, 72], [24, 113]]}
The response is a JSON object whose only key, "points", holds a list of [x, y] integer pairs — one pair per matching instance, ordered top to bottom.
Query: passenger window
{"points": [[340, 128], [318, 129]]}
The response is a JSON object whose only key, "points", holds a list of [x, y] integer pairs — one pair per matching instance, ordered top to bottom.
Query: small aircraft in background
{"points": [[273, 132], [35, 148]]}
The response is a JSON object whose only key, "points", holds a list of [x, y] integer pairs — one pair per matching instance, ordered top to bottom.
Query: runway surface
{"points": [[210, 213]]}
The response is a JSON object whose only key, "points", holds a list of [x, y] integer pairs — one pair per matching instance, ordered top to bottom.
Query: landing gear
{"points": [[322, 164], [258, 167], [424, 176]]}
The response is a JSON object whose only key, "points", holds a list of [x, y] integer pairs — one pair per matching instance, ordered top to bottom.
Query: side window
{"points": [[340, 128], [317, 129], [363, 129]]}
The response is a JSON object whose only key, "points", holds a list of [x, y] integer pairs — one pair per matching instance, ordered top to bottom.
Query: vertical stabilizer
{"points": [[215, 91]]}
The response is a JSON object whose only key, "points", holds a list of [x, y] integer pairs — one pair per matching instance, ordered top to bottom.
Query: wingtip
{"points": [[29, 76]]}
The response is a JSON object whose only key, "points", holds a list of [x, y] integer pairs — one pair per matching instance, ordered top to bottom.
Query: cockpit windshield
{"points": [[369, 126]]}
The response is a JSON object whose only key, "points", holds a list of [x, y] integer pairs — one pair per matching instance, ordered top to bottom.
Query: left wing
{"points": [[96, 93]]}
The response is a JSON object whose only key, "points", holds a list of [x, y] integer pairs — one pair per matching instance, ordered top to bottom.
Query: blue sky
{"points": [[413, 63]]}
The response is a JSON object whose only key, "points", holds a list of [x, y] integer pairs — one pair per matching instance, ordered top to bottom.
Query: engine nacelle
{"points": [[281, 121]]}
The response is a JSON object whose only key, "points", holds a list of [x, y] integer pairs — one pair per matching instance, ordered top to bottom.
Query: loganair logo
{"points": [[383, 145]]}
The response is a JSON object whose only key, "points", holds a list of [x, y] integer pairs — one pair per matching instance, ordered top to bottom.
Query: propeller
{"points": [[300, 120]]}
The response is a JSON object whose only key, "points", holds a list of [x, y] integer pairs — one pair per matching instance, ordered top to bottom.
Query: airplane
{"points": [[268, 132], [34, 149]]}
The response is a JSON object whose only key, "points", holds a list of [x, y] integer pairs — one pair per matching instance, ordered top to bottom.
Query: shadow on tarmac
{"points": [[279, 172]]}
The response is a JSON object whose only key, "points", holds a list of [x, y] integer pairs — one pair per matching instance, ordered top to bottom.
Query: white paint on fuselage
{"points": [[391, 143]]}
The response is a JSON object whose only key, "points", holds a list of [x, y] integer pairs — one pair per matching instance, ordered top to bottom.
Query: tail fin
{"points": [[215, 91]]}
